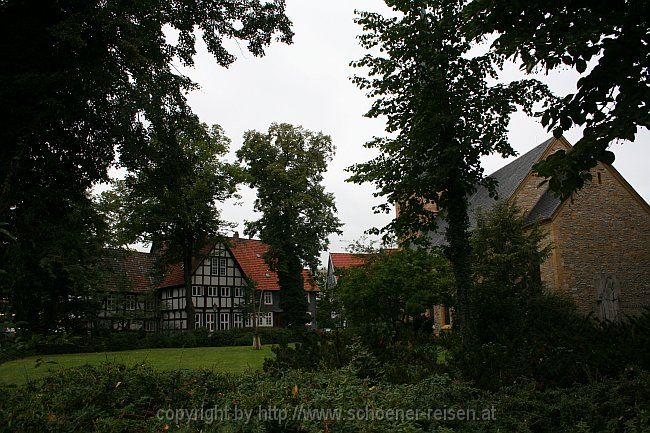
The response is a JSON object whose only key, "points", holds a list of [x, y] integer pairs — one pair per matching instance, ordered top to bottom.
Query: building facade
{"points": [[220, 279]]}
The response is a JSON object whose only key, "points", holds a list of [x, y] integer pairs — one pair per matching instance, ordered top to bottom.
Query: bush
{"points": [[117, 341], [376, 355], [114, 398]]}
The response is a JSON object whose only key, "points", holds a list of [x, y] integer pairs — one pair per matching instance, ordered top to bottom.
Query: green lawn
{"points": [[225, 359]]}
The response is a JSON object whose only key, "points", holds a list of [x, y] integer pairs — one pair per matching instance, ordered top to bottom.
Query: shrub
{"points": [[117, 341], [114, 398]]}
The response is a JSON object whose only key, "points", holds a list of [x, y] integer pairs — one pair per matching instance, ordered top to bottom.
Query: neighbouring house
{"points": [[600, 237], [338, 262], [220, 274], [130, 302]]}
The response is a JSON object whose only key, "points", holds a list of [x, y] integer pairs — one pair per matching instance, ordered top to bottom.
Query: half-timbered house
{"points": [[221, 272]]}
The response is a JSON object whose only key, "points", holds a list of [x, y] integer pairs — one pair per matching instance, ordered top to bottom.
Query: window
{"points": [[214, 266], [219, 266], [222, 266], [197, 291], [212, 291], [225, 292], [239, 293], [268, 298], [131, 302], [110, 303], [149, 304], [310, 318], [237, 319], [265, 319], [197, 320], [224, 320], [446, 320], [209, 321], [249, 321], [150, 325]]}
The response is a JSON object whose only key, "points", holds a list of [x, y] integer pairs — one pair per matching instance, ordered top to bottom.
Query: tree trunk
{"points": [[459, 253], [187, 278], [257, 344]]}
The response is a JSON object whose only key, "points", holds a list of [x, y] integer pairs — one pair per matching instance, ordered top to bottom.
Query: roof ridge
{"points": [[544, 145]]}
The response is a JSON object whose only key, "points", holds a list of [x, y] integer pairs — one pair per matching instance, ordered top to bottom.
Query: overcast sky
{"points": [[308, 83]]}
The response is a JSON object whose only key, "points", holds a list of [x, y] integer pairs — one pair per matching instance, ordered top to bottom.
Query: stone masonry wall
{"points": [[606, 229]]}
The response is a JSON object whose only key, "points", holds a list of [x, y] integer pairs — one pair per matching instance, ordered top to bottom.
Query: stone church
{"points": [[600, 236]]}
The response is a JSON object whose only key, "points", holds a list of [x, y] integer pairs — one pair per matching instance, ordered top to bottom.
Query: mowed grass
{"points": [[222, 359]]}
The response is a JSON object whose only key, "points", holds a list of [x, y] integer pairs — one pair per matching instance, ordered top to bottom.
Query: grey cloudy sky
{"points": [[307, 83]]}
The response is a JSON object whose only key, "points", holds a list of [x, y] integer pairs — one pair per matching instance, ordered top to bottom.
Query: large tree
{"points": [[605, 41], [83, 78], [80, 81], [442, 116], [286, 166], [171, 199]]}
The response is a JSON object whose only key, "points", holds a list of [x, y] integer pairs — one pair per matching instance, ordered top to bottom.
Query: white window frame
{"points": [[223, 265], [197, 290], [213, 291], [225, 292], [239, 293], [268, 298], [111, 301], [131, 302], [265, 319], [198, 320], [237, 320], [209, 321], [224, 321], [249, 321], [150, 326]]}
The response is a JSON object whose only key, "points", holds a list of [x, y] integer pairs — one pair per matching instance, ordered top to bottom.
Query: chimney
{"points": [[235, 235]]}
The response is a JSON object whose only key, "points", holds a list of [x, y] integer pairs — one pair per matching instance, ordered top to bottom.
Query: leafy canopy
{"points": [[606, 42], [84, 78], [442, 112], [286, 166], [172, 198], [394, 287]]}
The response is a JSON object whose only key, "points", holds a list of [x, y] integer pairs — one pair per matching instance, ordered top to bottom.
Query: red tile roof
{"points": [[249, 254], [347, 260], [130, 271]]}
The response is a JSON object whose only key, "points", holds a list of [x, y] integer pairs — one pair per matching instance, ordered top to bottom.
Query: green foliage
{"points": [[83, 79], [82, 82], [612, 97], [442, 115], [286, 166], [506, 261], [53, 268], [395, 288], [522, 331], [129, 340], [116, 398]]}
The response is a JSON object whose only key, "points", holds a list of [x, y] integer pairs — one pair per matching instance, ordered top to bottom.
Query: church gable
{"points": [[529, 194]]}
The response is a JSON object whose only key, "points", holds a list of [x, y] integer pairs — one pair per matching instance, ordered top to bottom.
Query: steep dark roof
{"points": [[508, 179], [544, 208]]}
